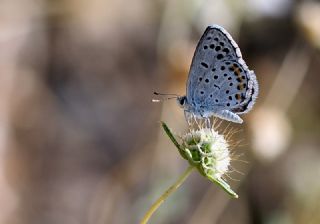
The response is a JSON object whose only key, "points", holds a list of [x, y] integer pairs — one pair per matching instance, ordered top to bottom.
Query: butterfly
{"points": [[219, 83]]}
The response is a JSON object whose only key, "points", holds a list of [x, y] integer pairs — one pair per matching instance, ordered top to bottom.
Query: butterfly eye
{"points": [[182, 100]]}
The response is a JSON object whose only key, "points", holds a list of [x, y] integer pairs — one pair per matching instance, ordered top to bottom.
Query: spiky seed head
{"points": [[208, 150]]}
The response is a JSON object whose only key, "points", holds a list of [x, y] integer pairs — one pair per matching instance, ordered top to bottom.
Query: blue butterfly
{"points": [[220, 83]]}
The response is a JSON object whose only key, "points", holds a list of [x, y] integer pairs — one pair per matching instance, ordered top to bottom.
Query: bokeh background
{"points": [[80, 140]]}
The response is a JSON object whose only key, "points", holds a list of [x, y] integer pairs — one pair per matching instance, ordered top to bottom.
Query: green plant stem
{"points": [[166, 194]]}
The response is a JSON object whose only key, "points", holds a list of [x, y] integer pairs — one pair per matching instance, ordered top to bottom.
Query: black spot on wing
{"points": [[204, 64]]}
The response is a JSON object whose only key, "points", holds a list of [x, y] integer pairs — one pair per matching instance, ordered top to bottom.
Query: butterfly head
{"points": [[182, 101]]}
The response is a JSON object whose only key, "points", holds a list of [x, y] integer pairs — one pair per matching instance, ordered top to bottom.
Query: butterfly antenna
{"points": [[165, 94], [169, 97]]}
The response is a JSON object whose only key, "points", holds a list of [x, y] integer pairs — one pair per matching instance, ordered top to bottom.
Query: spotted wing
{"points": [[219, 79]]}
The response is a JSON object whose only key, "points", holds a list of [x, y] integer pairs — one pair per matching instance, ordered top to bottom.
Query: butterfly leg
{"points": [[229, 116], [189, 118], [196, 121], [207, 122]]}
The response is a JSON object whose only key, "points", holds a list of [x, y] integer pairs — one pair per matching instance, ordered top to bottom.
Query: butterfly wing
{"points": [[219, 79]]}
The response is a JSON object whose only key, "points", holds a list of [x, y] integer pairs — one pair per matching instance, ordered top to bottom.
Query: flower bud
{"points": [[208, 151]]}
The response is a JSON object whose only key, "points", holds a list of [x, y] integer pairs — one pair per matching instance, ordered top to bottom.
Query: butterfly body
{"points": [[219, 83]]}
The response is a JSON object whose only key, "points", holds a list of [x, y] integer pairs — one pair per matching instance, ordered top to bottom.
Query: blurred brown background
{"points": [[80, 140]]}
